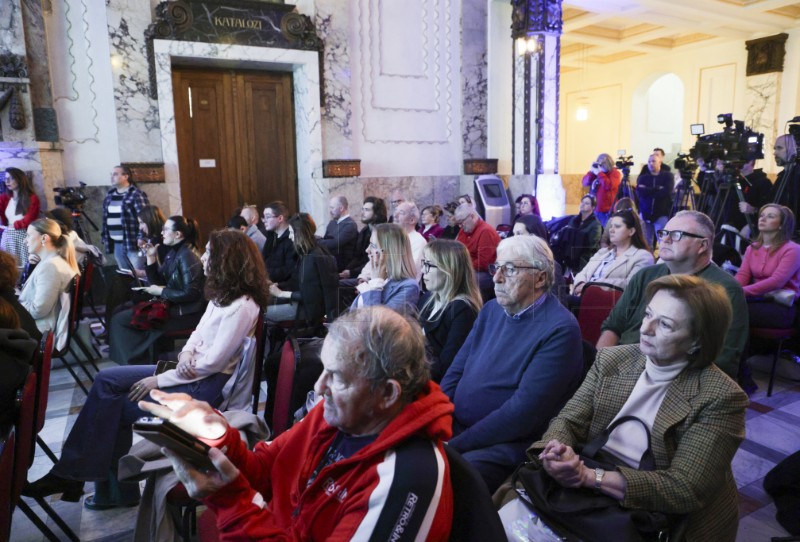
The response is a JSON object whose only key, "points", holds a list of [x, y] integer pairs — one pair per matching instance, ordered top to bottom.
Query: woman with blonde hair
{"points": [[770, 271], [394, 283], [42, 294], [448, 312]]}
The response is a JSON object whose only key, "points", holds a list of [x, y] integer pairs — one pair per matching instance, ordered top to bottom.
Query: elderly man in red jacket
{"points": [[481, 241], [367, 464]]}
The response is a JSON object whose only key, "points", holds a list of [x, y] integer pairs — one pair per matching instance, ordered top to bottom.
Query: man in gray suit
{"points": [[341, 233]]}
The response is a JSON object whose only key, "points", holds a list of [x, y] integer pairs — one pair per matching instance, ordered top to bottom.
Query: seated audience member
{"points": [[603, 179], [655, 189], [396, 198], [465, 198], [624, 203], [526, 204], [373, 211], [250, 214], [406, 215], [151, 222], [237, 223], [530, 224], [431, 229], [451, 230], [588, 230], [341, 232], [481, 241], [685, 249], [82, 250], [627, 252], [279, 253], [771, 263], [8, 278], [178, 279], [394, 280], [236, 289], [309, 294], [42, 296], [449, 310], [16, 354], [519, 365], [695, 414], [367, 463]]}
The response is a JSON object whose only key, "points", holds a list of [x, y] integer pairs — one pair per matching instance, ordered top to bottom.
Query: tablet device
{"points": [[169, 435]]}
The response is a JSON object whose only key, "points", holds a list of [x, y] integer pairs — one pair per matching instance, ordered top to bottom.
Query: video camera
{"points": [[735, 145], [624, 162], [686, 165], [71, 197]]}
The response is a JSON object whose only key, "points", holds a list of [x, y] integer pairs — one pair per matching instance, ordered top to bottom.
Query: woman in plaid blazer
{"points": [[695, 416]]}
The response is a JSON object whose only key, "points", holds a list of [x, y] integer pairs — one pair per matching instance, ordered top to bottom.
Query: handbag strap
{"points": [[591, 448]]}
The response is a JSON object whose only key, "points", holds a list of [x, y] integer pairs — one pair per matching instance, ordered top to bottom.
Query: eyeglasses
{"points": [[677, 235], [426, 266], [509, 269]]}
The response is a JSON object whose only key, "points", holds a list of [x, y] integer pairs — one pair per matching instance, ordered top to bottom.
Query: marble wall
{"points": [[12, 39], [474, 78], [762, 110], [136, 112]]}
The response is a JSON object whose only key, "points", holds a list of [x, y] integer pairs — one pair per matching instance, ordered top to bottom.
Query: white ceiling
{"points": [[604, 31]]}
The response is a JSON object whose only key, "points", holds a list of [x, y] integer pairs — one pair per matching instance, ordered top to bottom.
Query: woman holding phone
{"points": [[236, 290]]}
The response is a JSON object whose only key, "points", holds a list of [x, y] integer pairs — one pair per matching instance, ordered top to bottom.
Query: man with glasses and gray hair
{"points": [[685, 246], [520, 363]]}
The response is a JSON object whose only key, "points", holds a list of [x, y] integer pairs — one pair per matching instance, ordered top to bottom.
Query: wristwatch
{"points": [[598, 477]]}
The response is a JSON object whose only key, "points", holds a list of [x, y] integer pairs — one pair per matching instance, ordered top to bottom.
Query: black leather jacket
{"points": [[182, 273]]}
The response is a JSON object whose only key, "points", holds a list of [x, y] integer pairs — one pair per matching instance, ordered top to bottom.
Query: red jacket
{"points": [[607, 189], [31, 214], [481, 244], [395, 488]]}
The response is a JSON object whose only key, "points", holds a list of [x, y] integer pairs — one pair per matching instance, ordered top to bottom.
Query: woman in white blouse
{"points": [[627, 252], [236, 287], [42, 296]]}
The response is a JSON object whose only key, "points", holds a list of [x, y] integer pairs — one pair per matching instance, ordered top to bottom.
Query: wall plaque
{"points": [[765, 55]]}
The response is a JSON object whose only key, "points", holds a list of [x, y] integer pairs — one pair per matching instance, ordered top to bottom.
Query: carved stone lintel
{"points": [[535, 17], [299, 28], [765, 55], [13, 66], [480, 166], [341, 168], [146, 172]]}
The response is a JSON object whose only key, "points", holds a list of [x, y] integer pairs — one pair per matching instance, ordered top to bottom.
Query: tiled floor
{"points": [[773, 432]]}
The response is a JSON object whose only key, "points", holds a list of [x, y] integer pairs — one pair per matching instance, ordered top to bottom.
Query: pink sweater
{"points": [[762, 272]]}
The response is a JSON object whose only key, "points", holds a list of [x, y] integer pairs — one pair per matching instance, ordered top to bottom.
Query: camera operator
{"points": [[664, 167], [604, 180], [755, 188], [654, 189], [786, 191], [121, 207]]}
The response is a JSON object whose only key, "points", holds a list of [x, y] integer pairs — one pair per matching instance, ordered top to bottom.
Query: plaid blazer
{"points": [[132, 203], [695, 436]]}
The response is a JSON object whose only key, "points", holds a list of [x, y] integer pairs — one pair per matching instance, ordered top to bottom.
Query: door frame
{"points": [[304, 66]]}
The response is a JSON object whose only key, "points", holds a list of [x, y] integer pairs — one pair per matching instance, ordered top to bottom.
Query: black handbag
{"points": [[585, 514]]}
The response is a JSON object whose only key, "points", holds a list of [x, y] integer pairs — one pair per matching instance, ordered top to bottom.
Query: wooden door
{"points": [[235, 134]]}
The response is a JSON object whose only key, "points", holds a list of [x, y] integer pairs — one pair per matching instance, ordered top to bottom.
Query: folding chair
{"points": [[74, 292], [42, 365], [6, 477]]}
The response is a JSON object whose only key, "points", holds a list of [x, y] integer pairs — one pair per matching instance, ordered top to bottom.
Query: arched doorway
{"points": [[657, 117]]}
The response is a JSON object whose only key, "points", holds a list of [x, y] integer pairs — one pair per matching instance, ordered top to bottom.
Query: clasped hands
{"points": [[200, 420], [563, 464]]}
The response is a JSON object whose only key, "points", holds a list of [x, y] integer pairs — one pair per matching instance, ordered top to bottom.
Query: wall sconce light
{"points": [[527, 46], [582, 112]]}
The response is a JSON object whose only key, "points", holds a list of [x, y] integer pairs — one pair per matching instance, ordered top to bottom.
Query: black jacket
{"points": [[340, 240], [586, 242], [279, 256], [360, 256], [182, 273], [314, 284], [445, 335], [16, 354]]}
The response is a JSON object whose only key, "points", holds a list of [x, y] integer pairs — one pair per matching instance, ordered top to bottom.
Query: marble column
{"points": [[536, 29], [474, 78], [45, 123]]}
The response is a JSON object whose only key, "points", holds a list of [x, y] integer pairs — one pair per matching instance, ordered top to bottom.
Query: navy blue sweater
{"points": [[513, 375]]}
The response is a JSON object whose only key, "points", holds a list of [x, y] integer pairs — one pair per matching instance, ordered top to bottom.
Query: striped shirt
{"points": [[114, 220]]}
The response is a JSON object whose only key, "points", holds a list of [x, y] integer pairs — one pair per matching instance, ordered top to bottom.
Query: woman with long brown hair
{"points": [[18, 209], [237, 290]]}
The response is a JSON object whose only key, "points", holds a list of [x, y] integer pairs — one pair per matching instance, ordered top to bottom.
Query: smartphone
{"points": [[165, 365], [169, 435]]}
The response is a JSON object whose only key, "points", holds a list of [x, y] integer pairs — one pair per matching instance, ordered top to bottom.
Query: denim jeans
{"points": [[102, 433]]}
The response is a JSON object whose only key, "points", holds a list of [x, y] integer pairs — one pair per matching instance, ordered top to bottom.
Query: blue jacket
{"points": [[399, 295]]}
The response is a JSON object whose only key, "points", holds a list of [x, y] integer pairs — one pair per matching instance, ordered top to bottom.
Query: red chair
{"points": [[597, 300], [72, 327], [261, 342], [290, 357], [42, 364], [6, 477]]}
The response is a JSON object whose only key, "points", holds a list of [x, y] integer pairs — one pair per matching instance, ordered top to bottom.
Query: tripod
{"points": [[625, 190], [684, 198]]}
